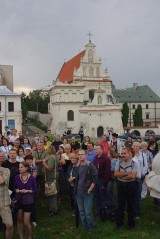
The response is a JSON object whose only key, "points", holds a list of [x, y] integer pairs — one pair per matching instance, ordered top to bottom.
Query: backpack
{"points": [[108, 213]]}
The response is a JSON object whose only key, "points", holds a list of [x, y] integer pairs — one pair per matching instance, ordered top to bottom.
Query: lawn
{"points": [[62, 226]]}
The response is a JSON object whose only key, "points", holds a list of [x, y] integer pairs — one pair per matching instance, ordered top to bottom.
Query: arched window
{"points": [[70, 115]]}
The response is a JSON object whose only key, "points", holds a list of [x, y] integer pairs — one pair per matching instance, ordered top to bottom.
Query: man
{"points": [[13, 136], [20, 137], [51, 137], [57, 142], [129, 142], [116, 143], [104, 144], [16, 145], [74, 145], [27, 151], [90, 153], [39, 156], [2, 157], [103, 165], [13, 166], [126, 171], [84, 184], [5, 211]]}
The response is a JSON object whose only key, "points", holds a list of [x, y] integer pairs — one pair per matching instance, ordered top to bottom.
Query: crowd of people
{"points": [[85, 170]]}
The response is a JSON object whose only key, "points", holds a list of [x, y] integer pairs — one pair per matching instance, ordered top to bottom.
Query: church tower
{"points": [[82, 96]]}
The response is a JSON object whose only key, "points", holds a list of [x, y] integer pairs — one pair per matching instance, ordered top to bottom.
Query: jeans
{"points": [[138, 192], [110, 193], [100, 195], [85, 205]]}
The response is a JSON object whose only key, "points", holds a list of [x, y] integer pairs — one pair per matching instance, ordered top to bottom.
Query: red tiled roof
{"points": [[66, 72]]}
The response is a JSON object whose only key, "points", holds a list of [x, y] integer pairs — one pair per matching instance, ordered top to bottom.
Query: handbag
{"points": [[50, 187]]}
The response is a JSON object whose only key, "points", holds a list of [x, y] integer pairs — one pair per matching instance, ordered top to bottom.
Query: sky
{"points": [[37, 36]]}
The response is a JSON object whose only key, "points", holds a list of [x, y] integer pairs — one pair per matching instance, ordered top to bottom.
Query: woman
{"points": [[65, 141], [46, 142], [86, 142], [26, 143], [34, 147], [5, 148], [21, 155], [141, 159], [65, 163], [50, 169], [125, 171], [25, 188], [110, 189]]}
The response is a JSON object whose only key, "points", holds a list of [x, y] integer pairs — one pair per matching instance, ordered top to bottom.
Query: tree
{"points": [[35, 101], [125, 114], [138, 120]]}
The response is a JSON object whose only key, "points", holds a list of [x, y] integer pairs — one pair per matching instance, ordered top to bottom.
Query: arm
{"points": [[145, 166], [118, 174], [132, 175], [4, 179]]}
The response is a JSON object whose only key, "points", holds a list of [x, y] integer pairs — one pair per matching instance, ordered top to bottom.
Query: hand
{"points": [[89, 191]]}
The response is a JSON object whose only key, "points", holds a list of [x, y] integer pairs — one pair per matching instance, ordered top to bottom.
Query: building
{"points": [[82, 96], [144, 96], [10, 103]]}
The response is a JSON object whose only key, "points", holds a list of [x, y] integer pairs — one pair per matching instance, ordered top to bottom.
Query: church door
{"points": [[100, 131]]}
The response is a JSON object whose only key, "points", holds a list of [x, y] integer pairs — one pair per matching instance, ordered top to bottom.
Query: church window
{"points": [[90, 56], [91, 72], [97, 72], [91, 95], [70, 115]]}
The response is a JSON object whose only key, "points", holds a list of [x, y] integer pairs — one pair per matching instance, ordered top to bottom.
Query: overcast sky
{"points": [[36, 36]]}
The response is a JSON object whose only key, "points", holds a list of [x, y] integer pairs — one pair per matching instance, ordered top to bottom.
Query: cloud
{"points": [[37, 36]]}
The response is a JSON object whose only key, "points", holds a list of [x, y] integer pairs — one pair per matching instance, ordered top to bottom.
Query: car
{"points": [[69, 136]]}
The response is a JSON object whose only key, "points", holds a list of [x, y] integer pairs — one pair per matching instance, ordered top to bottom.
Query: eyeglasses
{"points": [[81, 154]]}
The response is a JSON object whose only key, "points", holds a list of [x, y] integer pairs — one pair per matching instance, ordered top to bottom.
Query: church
{"points": [[82, 96]]}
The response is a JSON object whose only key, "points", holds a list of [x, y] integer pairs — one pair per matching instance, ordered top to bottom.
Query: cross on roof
{"points": [[90, 34]]}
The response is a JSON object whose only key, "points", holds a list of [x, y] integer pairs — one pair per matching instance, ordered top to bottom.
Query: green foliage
{"points": [[35, 101], [125, 114], [138, 121], [38, 124], [62, 226]]}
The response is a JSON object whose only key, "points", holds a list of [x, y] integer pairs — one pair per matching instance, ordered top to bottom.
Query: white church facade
{"points": [[82, 96]]}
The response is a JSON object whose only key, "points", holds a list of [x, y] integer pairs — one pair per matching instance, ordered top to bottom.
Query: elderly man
{"points": [[74, 145], [2, 157], [5, 211]]}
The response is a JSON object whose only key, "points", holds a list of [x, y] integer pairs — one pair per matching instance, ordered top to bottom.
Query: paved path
{"points": [[29, 130]]}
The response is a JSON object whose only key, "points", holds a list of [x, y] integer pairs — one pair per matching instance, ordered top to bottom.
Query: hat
{"points": [[29, 148]]}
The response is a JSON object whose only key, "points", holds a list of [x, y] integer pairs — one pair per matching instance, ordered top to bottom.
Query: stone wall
{"points": [[44, 118]]}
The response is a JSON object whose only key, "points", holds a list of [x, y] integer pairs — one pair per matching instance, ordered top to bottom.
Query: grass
{"points": [[38, 124], [62, 226]]}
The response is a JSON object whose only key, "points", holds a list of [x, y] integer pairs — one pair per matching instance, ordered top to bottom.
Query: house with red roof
{"points": [[82, 96]]}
